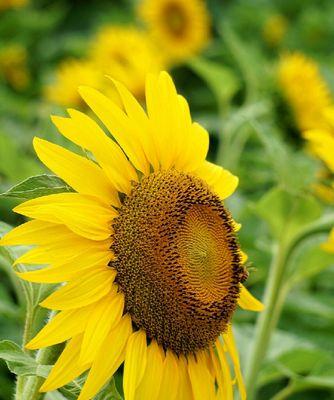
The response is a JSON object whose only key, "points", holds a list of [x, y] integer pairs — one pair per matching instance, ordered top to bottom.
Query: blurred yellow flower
{"points": [[6, 4], [181, 28], [274, 29], [127, 54], [13, 66], [69, 76], [305, 90], [321, 142]]}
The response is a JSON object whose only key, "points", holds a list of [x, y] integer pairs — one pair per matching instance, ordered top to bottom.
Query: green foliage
{"points": [[37, 186]]}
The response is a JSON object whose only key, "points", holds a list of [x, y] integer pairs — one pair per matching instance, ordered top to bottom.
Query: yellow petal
{"points": [[138, 116], [119, 125], [86, 133], [81, 174], [222, 181], [81, 214], [32, 232], [65, 251], [74, 267], [87, 289], [248, 302], [105, 315], [63, 326], [232, 349], [109, 357], [135, 363], [66, 368], [170, 378], [202, 382], [150, 384], [225, 384], [185, 390]]}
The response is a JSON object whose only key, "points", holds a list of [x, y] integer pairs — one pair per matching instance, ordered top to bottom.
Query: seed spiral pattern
{"points": [[177, 260]]}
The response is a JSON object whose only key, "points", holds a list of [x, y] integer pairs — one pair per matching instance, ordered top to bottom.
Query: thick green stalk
{"points": [[274, 297], [265, 324]]}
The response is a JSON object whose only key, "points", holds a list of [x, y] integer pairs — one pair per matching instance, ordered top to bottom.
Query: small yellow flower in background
{"points": [[7, 4], [181, 28], [274, 29], [127, 54], [13, 66], [70, 74], [305, 90], [321, 142], [147, 247]]}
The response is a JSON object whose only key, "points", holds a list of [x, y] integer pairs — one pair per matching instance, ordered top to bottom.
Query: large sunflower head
{"points": [[180, 27], [127, 54], [69, 75], [305, 90], [146, 246]]}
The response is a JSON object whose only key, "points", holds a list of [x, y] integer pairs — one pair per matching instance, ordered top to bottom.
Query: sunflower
{"points": [[7, 4], [181, 28], [274, 29], [127, 54], [13, 66], [70, 74], [305, 90], [147, 249]]}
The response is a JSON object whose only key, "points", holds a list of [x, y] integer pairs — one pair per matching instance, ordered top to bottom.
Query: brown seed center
{"points": [[177, 261]]}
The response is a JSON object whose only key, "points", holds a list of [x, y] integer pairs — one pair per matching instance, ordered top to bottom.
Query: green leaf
{"points": [[221, 79], [36, 186], [286, 213], [309, 259], [20, 363]]}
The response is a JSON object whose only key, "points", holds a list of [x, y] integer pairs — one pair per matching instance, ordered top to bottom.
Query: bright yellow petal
{"points": [[138, 117], [119, 126], [86, 133], [199, 147], [81, 174], [222, 181], [81, 214], [32, 232], [66, 251], [70, 269], [87, 289], [248, 302], [105, 315], [63, 326], [232, 349], [109, 357], [135, 363], [66, 368], [170, 378], [202, 382], [150, 384], [225, 385], [185, 390]]}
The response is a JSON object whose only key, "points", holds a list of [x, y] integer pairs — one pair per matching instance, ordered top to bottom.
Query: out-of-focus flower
{"points": [[7, 4], [181, 28], [274, 29], [127, 54], [13, 66], [69, 76], [305, 90], [147, 247]]}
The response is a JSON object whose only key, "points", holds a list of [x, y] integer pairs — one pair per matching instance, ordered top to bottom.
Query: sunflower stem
{"points": [[275, 294], [267, 319]]}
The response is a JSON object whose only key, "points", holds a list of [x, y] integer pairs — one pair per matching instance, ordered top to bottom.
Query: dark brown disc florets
{"points": [[177, 260]]}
